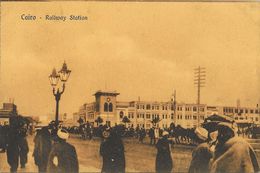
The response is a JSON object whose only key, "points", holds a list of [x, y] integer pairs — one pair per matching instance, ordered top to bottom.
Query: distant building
{"points": [[8, 110], [141, 113], [75, 117]]}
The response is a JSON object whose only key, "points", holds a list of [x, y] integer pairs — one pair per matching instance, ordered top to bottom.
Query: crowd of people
{"points": [[218, 151]]}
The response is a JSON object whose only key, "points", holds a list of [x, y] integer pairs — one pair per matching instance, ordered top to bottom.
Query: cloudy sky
{"points": [[137, 49]]}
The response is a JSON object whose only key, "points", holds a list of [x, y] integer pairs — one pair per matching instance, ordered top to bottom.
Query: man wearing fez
{"points": [[232, 154], [63, 156]]}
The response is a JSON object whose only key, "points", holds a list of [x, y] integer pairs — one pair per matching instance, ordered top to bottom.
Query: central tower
{"points": [[106, 106]]}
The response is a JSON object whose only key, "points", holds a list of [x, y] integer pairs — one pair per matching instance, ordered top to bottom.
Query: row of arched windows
{"points": [[108, 107]]}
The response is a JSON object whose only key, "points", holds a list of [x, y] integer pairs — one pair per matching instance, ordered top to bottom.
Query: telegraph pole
{"points": [[199, 82], [174, 106]]}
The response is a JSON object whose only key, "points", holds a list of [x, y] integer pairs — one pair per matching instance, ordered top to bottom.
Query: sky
{"points": [[144, 49]]}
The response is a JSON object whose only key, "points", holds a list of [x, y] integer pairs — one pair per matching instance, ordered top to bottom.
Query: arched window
{"points": [[106, 107], [110, 107], [121, 114]]}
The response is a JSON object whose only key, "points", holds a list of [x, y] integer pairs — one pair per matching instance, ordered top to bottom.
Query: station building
{"points": [[141, 113]]}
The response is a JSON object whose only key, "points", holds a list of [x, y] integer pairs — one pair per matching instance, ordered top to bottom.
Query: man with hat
{"points": [[112, 151], [232, 153], [201, 155], [63, 156], [163, 158]]}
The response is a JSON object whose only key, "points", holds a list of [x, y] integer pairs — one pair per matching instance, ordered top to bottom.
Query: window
{"points": [[106, 107], [110, 107], [148, 107], [194, 109], [236, 110], [246, 111], [251, 111], [256, 111], [121, 114], [130, 115], [148, 116], [172, 116], [194, 117], [256, 118]]}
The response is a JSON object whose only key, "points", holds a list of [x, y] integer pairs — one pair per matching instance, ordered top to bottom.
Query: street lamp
{"points": [[55, 77], [108, 101]]}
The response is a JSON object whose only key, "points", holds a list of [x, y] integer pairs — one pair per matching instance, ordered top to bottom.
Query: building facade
{"points": [[8, 110], [142, 113]]}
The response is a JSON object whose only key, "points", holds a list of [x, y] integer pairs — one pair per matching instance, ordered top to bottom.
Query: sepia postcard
{"points": [[130, 86]]}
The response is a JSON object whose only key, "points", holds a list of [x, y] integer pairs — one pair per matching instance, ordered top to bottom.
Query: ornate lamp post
{"points": [[55, 77], [108, 101]]}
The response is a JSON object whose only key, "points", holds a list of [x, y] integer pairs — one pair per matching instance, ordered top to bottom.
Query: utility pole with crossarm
{"points": [[199, 82]]}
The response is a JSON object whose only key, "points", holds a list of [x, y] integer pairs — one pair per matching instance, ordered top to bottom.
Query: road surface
{"points": [[139, 157]]}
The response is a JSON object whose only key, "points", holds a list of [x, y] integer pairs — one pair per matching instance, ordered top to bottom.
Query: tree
{"points": [[99, 120], [125, 120], [155, 120]]}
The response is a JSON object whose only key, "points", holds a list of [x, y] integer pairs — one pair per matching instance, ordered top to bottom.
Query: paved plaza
{"points": [[139, 157]]}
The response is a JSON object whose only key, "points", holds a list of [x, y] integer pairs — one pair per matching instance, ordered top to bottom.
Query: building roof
{"points": [[106, 93]]}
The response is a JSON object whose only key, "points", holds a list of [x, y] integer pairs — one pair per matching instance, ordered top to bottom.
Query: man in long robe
{"points": [[42, 148], [202, 154], [233, 154], [63, 156], [163, 158]]}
